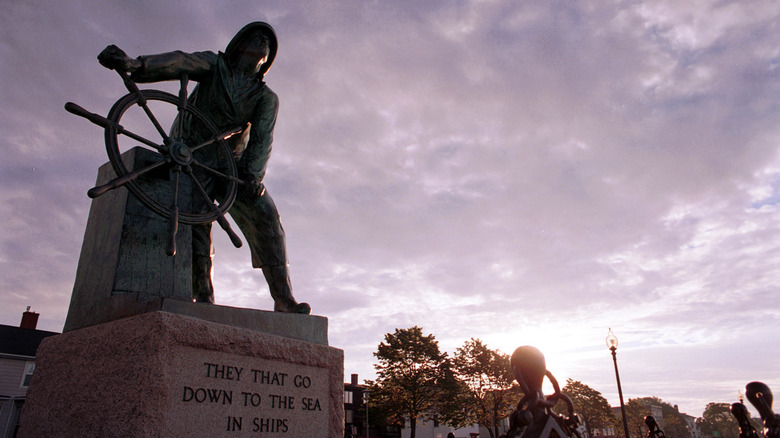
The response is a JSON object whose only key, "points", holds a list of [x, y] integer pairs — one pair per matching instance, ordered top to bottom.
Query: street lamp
{"points": [[612, 344]]}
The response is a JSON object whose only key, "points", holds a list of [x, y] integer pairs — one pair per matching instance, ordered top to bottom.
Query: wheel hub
{"points": [[181, 153]]}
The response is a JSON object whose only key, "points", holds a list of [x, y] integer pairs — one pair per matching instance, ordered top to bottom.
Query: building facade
{"points": [[18, 346], [354, 409], [357, 418]]}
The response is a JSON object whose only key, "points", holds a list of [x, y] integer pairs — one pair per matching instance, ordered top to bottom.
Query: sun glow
{"points": [[561, 348]]}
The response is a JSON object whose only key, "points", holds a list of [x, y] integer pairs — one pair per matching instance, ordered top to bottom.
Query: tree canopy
{"points": [[409, 376], [416, 381], [485, 389], [592, 408], [636, 411], [717, 417], [671, 421]]}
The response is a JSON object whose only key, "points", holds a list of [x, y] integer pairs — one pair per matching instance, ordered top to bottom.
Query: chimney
{"points": [[29, 319], [355, 379]]}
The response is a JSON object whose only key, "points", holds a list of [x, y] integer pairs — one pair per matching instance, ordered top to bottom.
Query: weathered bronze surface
{"points": [[230, 102], [760, 396], [740, 412], [534, 417], [653, 430]]}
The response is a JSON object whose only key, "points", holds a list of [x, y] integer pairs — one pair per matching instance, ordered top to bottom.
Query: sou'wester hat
{"points": [[265, 29]]}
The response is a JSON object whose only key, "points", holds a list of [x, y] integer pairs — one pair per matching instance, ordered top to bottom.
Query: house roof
{"points": [[21, 341]]}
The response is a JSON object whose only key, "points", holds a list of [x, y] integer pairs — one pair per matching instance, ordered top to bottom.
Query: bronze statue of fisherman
{"points": [[231, 92]]}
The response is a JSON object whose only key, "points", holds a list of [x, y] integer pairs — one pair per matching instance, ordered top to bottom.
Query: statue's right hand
{"points": [[114, 58]]}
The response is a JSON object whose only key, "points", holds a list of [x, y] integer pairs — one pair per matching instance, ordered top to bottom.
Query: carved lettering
{"points": [[227, 372], [268, 377], [302, 381], [207, 395], [293, 396], [251, 398], [282, 401], [311, 404], [234, 424], [270, 425]]}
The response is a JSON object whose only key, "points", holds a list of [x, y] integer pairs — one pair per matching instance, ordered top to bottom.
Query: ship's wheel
{"points": [[179, 164]]}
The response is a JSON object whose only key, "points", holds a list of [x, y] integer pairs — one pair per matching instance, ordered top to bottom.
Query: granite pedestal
{"points": [[123, 252], [160, 374]]}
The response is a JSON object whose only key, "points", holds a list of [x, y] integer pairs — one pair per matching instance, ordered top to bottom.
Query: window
{"points": [[27, 376], [348, 397]]}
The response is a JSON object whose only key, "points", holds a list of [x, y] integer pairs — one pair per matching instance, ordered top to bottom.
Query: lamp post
{"points": [[612, 343], [365, 397]]}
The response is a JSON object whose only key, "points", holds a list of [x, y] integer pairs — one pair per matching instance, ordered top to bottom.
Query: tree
{"points": [[409, 376], [484, 393], [592, 408], [636, 411], [717, 417], [379, 418], [670, 421], [675, 425]]}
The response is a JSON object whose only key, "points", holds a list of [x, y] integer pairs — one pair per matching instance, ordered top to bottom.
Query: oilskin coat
{"points": [[229, 100]]}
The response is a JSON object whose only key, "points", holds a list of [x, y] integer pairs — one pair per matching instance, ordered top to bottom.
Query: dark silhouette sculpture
{"points": [[231, 101], [760, 396], [740, 412], [534, 417], [653, 430]]}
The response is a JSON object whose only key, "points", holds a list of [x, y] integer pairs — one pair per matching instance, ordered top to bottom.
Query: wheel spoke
{"points": [[133, 88], [182, 105], [106, 123], [223, 136], [160, 148], [218, 173], [122, 180], [220, 216], [174, 219]]}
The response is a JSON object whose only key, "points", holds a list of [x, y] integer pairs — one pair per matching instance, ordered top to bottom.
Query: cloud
{"points": [[523, 173]]}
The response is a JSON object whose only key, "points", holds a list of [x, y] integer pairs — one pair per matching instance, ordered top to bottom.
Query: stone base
{"points": [[123, 252], [309, 328], [166, 375]]}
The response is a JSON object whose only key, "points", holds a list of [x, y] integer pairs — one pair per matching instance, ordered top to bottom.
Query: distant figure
{"points": [[231, 93], [450, 435]]}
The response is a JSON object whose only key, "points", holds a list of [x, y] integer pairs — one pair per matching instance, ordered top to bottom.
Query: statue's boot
{"points": [[278, 278], [202, 289]]}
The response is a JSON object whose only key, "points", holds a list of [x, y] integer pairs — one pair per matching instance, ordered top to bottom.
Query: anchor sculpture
{"points": [[760, 396]]}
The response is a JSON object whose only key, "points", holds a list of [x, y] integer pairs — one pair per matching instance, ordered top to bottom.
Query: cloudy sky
{"points": [[522, 172]]}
